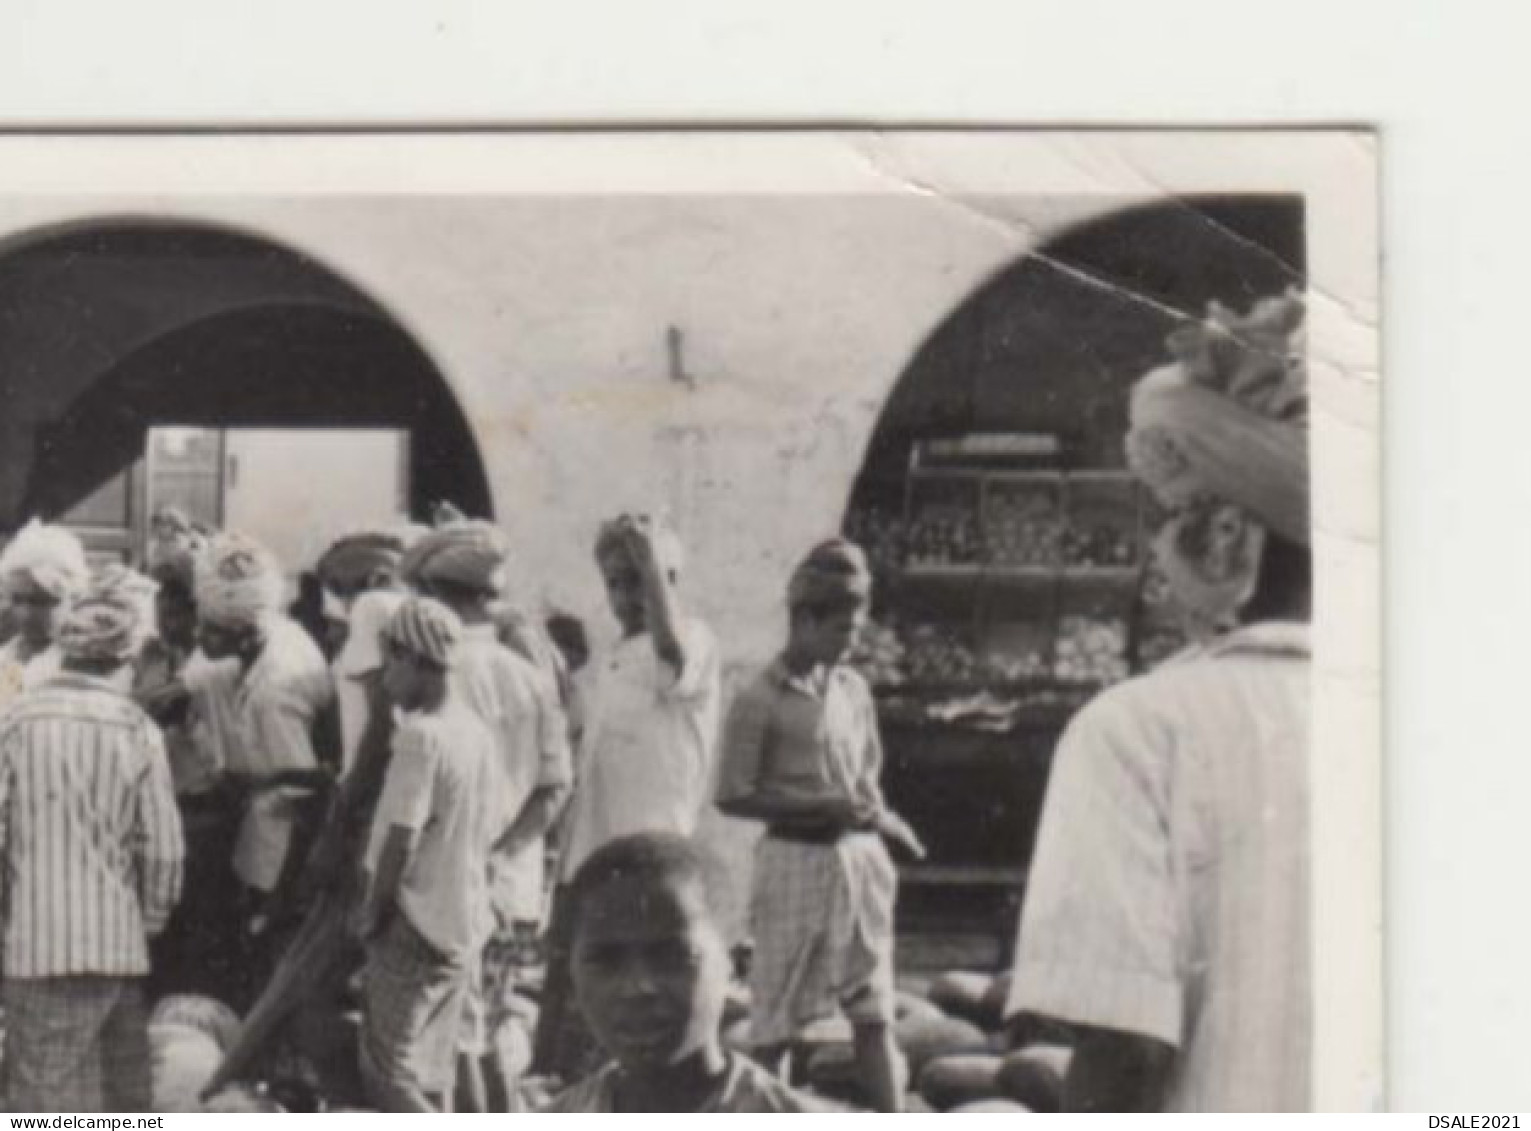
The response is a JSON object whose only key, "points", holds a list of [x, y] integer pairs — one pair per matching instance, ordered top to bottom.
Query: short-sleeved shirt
{"points": [[361, 656], [519, 705], [265, 719], [810, 737], [645, 762], [441, 785], [90, 836], [1169, 892], [746, 1088]]}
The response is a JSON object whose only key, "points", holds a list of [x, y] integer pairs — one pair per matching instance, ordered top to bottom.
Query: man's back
{"points": [[91, 835], [1169, 894]]}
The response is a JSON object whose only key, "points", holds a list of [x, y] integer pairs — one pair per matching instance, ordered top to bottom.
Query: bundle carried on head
{"points": [[1227, 420], [468, 553], [50, 557], [834, 573], [238, 581], [108, 622]]}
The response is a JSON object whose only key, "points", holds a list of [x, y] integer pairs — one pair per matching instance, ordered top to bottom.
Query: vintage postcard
{"points": [[691, 621]]}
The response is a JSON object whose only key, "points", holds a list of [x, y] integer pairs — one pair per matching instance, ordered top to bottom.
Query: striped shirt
{"points": [[90, 837], [1168, 895]]}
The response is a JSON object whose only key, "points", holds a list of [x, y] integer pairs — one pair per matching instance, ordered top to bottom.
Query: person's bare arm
{"points": [[663, 603], [537, 816], [1116, 1071]]}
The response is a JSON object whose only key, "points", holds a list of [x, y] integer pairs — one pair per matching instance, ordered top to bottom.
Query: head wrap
{"points": [[1228, 418], [611, 540], [175, 544], [460, 551], [50, 556], [353, 559], [834, 572], [238, 581], [126, 583], [103, 625], [425, 628]]}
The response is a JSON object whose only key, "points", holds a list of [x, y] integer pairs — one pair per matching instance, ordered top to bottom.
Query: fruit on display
{"points": [[1023, 527], [943, 535], [1098, 545], [1090, 650], [937, 654], [879, 655]]}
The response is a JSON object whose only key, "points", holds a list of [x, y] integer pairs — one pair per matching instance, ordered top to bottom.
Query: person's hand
{"points": [[850, 814], [896, 830]]}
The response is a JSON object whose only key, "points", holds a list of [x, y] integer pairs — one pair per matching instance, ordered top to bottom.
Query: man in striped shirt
{"points": [[90, 842]]}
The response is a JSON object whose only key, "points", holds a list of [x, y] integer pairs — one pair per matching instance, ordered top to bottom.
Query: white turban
{"points": [[1228, 419], [611, 539], [466, 552], [50, 556], [238, 581], [104, 626]]}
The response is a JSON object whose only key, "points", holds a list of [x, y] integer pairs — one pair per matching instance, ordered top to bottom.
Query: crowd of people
{"points": [[435, 790]]}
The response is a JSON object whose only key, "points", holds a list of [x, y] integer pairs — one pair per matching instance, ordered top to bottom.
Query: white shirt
{"points": [[361, 656], [520, 706], [266, 717], [646, 756], [440, 785], [1169, 891]]}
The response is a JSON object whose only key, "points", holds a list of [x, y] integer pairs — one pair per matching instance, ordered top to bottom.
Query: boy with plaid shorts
{"points": [[801, 753]]}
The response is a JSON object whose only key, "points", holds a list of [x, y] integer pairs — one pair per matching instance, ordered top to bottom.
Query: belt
{"points": [[824, 836]]}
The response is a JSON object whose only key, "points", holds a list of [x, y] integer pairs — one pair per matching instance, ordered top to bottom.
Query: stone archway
{"points": [[111, 327]]}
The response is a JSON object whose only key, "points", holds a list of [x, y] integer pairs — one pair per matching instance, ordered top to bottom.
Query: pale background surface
{"points": [[1446, 84]]}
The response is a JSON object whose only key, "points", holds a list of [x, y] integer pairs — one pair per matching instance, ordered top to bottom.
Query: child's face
{"points": [[828, 636], [406, 678], [650, 972]]}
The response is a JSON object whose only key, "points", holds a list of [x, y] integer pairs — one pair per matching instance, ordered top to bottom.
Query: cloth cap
{"points": [[1228, 419], [611, 540], [466, 552], [50, 556], [354, 558], [834, 572], [238, 581], [102, 626], [425, 628]]}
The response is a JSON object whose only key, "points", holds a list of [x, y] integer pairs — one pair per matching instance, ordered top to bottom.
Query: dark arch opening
{"points": [[112, 327], [1051, 342], [1048, 347], [337, 369]]}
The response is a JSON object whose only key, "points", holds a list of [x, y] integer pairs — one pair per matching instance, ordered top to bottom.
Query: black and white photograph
{"points": [[711, 621]]}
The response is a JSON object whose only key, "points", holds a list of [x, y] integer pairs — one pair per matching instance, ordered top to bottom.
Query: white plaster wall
{"points": [[548, 316]]}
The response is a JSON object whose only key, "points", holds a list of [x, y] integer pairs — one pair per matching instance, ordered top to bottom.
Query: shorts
{"points": [[822, 919]]}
